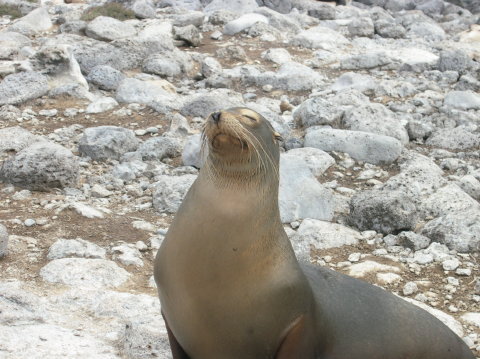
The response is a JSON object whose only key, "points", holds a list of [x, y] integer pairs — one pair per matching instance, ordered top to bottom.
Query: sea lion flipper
{"points": [[293, 345], [176, 348]]}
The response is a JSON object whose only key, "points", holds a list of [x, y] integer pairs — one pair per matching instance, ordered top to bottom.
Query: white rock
{"points": [[35, 21], [242, 23], [108, 29], [320, 37], [102, 105], [362, 146], [317, 160], [99, 191], [300, 194], [86, 210], [144, 226], [323, 235], [3, 241], [78, 247], [128, 255], [450, 264], [360, 270], [79, 272], [388, 278], [410, 288], [471, 318], [53, 342]]}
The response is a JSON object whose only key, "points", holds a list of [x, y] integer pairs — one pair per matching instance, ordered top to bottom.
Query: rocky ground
{"points": [[378, 104]]}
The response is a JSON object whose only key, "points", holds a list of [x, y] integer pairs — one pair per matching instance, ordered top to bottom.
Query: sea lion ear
{"points": [[277, 136]]}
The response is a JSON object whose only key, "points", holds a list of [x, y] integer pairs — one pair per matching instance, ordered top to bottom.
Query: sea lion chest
{"points": [[217, 278]]}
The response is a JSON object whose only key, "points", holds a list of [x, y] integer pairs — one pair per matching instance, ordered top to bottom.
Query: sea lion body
{"points": [[230, 286]]}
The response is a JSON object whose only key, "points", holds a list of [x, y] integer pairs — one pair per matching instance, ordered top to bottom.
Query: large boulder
{"points": [[20, 87], [107, 142], [41, 166]]}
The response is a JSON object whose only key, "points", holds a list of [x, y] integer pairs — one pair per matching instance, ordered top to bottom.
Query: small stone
{"points": [[267, 88], [48, 113], [140, 132], [99, 191], [29, 222], [144, 226], [3, 240], [141, 246], [354, 257], [450, 264], [465, 272], [388, 278], [453, 281], [410, 288], [453, 309]]}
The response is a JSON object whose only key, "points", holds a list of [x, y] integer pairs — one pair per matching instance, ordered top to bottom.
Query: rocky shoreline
{"points": [[378, 103]]}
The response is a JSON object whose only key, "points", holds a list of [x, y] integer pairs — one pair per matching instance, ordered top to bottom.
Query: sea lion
{"points": [[230, 285]]}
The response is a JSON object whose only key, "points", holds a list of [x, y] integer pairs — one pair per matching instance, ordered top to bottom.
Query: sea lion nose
{"points": [[215, 117]]}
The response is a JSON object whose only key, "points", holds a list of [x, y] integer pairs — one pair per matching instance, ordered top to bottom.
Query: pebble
{"points": [[29, 222], [410, 288]]}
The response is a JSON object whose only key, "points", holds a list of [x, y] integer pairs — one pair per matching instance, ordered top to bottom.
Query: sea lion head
{"points": [[241, 142]]}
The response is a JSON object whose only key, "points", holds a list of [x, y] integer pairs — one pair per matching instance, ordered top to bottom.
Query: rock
{"points": [[239, 7], [144, 9], [321, 11], [34, 22], [242, 23], [76, 27], [361, 27], [106, 28], [389, 29], [426, 30], [190, 34], [320, 37], [11, 42], [277, 55], [414, 59], [454, 60], [365, 61], [58, 62], [168, 64], [210, 66], [291, 76], [105, 77], [352, 80], [20, 87], [138, 91], [462, 100], [103, 104], [201, 105], [317, 111], [9, 113], [375, 118], [17, 138], [454, 139], [107, 142], [362, 146], [158, 148], [191, 154], [317, 160], [41, 166], [128, 171], [471, 186], [170, 190], [99, 191], [300, 194], [449, 199], [87, 211], [383, 211], [144, 226], [457, 230], [322, 235], [413, 240], [3, 241], [63, 248], [438, 251], [128, 254], [450, 264], [362, 269], [80, 272], [388, 278], [410, 288], [20, 306], [471, 318], [53, 341]]}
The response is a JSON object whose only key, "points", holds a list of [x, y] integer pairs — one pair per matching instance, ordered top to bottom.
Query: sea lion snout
{"points": [[215, 116]]}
